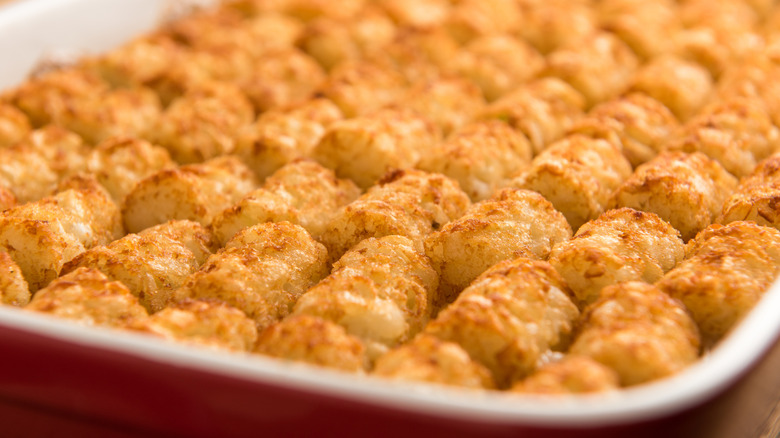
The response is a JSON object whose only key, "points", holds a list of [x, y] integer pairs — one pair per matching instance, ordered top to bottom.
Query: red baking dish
{"points": [[60, 378]]}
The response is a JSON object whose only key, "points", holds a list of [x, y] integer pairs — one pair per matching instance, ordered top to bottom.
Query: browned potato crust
{"points": [[471, 19], [554, 24], [644, 26], [683, 86], [360, 88], [448, 102], [637, 123], [13, 125], [577, 174], [686, 190], [195, 192], [757, 197], [510, 224], [620, 245], [726, 271], [86, 296], [509, 317], [203, 323], [638, 331], [316, 341], [428, 359], [570, 375]]}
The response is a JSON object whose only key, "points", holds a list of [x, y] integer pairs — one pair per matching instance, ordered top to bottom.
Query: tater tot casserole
{"points": [[536, 197]]}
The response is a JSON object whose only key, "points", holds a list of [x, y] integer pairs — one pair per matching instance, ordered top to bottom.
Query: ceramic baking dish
{"points": [[111, 382]]}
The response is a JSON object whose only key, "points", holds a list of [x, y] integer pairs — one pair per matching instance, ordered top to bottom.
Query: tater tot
{"points": [[417, 13], [470, 19], [553, 24], [644, 26], [333, 41], [717, 49], [418, 54], [497, 64], [600, 67], [282, 77], [754, 78], [683, 86], [361, 88], [448, 102], [543, 110], [204, 123], [637, 123], [14, 125], [738, 133], [282, 135], [364, 149], [64, 151], [482, 157], [119, 163], [26, 173], [577, 174], [686, 190], [195, 192], [302, 192], [757, 197], [7, 199], [410, 203], [511, 223], [620, 245], [151, 264], [262, 271], [726, 271], [13, 287], [380, 291], [86, 296], [510, 316], [203, 323], [639, 332], [316, 341], [428, 359], [570, 375]]}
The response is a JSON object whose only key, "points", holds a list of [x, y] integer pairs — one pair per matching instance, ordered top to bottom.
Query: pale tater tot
{"points": [[417, 13], [730, 15], [471, 19], [554, 24], [644, 26], [334, 41], [717, 49], [497, 64], [600, 67], [281, 78], [754, 78], [682, 85], [360, 88], [50, 94], [448, 102], [543, 110], [204, 123], [637, 123], [14, 125], [736, 132], [280, 136], [364, 149], [64, 151], [482, 157], [119, 163], [27, 173], [577, 174], [686, 190], [195, 192], [302, 192], [757, 197], [410, 203], [511, 223], [620, 245], [151, 264], [262, 271], [726, 272], [13, 287], [380, 291], [86, 296], [510, 316], [203, 323], [639, 332], [316, 341], [428, 359], [570, 375]]}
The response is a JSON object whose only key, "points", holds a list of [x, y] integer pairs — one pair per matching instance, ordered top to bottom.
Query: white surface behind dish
{"points": [[33, 29]]}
